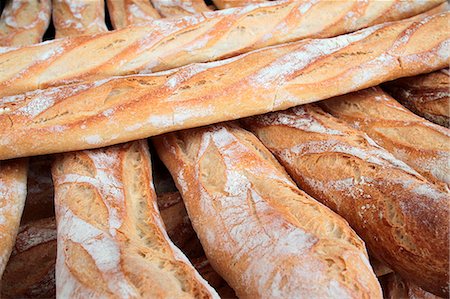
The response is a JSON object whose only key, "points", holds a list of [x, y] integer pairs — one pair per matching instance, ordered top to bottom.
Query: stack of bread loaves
{"points": [[282, 162]]}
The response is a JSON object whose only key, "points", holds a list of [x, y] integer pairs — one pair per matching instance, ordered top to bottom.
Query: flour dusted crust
{"points": [[222, 4], [177, 8], [124, 13], [78, 17], [24, 22], [166, 44], [427, 95], [96, 114], [421, 144], [13, 191], [402, 217], [259, 231], [111, 240]]}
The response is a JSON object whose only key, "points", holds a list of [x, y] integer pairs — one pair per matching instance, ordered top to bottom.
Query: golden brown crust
{"points": [[222, 4], [179, 8], [124, 13], [78, 17], [24, 22], [209, 36], [426, 95], [96, 114], [419, 143], [13, 190], [402, 217], [259, 232], [110, 235], [34, 254], [396, 287]]}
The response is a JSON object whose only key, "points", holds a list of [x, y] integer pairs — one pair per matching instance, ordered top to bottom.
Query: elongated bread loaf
{"points": [[221, 4], [179, 8], [124, 13], [78, 17], [24, 22], [210, 36], [426, 95], [96, 114], [419, 143], [13, 190], [402, 217], [263, 235], [111, 239], [34, 254], [396, 287]]}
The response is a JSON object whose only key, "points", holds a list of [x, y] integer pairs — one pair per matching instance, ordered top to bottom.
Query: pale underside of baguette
{"points": [[222, 4], [179, 8], [124, 13], [78, 17], [24, 22], [205, 37], [427, 95], [96, 114], [421, 144], [13, 190], [402, 217], [262, 234], [111, 240], [34, 254], [396, 287]]}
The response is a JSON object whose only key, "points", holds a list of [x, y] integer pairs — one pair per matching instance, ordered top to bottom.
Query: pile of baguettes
{"points": [[272, 203]]}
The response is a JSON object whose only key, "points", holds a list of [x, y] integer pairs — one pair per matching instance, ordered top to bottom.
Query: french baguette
{"points": [[222, 4], [179, 8], [124, 13], [78, 17], [24, 22], [205, 37], [426, 95], [96, 114], [419, 143], [402, 217], [112, 233], [263, 235], [30, 272], [396, 287]]}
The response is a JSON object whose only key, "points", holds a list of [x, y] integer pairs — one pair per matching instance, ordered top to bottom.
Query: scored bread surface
{"points": [[125, 13]]}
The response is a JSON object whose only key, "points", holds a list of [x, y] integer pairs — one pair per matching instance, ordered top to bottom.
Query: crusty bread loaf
{"points": [[222, 4], [179, 8], [124, 13], [78, 17], [24, 22], [210, 36], [426, 95], [96, 114], [419, 143], [13, 190], [402, 217], [263, 235], [111, 238], [379, 268], [30, 272], [396, 287]]}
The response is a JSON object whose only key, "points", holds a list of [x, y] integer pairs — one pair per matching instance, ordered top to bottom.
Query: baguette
{"points": [[222, 4], [179, 8], [124, 13], [78, 17], [24, 22], [210, 36], [426, 95], [96, 114], [422, 145], [13, 190], [97, 214], [402, 217], [264, 236], [34, 254], [397, 288]]}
